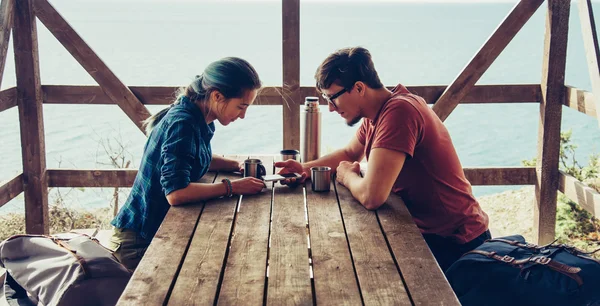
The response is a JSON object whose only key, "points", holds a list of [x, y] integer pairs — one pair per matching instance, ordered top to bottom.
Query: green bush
{"points": [[575, 225]]}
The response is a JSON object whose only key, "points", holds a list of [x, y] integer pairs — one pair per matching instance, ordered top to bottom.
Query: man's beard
{"points": [[354, 121]]}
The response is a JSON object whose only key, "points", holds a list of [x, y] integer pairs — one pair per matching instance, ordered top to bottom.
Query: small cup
{"points": [[289, 154], [254, 168], [320, 178]]}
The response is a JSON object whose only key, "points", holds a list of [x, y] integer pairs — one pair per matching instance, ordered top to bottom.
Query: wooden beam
{"points": [[6, 24], [592, 53], [484, 58], [291, 73], [110, 83], [517, 93], [83, 94], [163, 95], [553, 95], [8, 98], [29, 100], [580, 100], [486, 176], [501, 176], [90, 178], [11, 189], [578, 192]]}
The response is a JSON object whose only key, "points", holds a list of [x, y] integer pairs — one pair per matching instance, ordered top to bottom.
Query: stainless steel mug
{"points": [[310, 130], [290, 154], [253, 167], [320, 178]]}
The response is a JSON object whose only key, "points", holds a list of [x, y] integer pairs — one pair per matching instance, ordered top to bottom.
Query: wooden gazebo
{"points": [[551, 93]]}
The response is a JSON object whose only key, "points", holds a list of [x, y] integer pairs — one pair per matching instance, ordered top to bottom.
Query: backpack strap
{"points": [[527, 245], [567, 270]]}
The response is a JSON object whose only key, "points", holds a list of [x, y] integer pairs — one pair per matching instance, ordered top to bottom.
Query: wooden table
{"points": [[288, 246]]}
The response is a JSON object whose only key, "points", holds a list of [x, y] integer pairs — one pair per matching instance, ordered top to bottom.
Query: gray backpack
{"points": [[73, 269]]}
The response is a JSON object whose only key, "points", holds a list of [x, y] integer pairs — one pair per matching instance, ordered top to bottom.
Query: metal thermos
{"points": [[310, 127]]}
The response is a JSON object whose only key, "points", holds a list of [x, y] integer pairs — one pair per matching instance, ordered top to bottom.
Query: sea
{"points": [[167, 43]]}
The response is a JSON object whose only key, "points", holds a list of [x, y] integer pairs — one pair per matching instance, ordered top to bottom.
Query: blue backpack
{"points": [[510, 271]]}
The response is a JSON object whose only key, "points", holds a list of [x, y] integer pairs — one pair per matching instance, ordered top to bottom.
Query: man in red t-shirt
{"points": [[409, 152]]}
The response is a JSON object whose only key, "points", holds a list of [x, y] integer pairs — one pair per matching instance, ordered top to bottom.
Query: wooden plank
{"points": [[6, 24], [590, 43], [484, 58], [291, 73], [110, 83], [517, 93], [84, 94], [163, 95], [553, 95], [8, 98], [29, 100], [580, 100], [501, 176], [125, 177], [91, 178], [11, 189], [578, 192], [372, 258], [157, 272], [421, 273], [245, 275], [334, 275], [289, 276], [198, 281]]}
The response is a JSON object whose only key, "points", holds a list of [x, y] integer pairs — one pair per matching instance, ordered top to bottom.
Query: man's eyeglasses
{"points": [[330, 99]]}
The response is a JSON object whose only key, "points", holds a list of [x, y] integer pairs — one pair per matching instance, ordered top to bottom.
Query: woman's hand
{"points": [[291, 166], [247, 185]]}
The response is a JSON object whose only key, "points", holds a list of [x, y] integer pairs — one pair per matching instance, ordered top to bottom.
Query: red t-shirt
{"points": [[432, 182]]}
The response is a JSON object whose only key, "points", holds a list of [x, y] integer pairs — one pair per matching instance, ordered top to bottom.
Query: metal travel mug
{"points": [[310, 130], [290, 154], [253, 167], [320, 178]]}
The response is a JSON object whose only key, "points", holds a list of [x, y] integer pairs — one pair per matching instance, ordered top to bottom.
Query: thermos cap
{"points": [[311, 104]]}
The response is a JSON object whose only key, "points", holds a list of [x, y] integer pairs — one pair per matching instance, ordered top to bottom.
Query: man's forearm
{"points": [[331, 160]]}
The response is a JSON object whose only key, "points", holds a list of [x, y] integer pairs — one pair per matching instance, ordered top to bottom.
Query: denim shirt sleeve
{"points": [[178, 152]]}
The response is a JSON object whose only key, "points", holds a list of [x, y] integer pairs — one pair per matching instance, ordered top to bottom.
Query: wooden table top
{"points": [[288, 246]]}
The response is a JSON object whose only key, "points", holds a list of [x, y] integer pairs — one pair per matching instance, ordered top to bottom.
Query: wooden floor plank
{"points": [[372, 259], [245, 272], [334, 277], [289, 278], [424, 278], [152, 280], [198, 281]]}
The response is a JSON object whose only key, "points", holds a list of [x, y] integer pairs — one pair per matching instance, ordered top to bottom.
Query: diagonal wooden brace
{"points": [[108, 81]]}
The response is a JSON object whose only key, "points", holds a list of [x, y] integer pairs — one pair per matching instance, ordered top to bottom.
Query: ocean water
{"points": [[160, 43]]}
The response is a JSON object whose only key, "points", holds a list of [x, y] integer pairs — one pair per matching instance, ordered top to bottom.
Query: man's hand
{"points": [[291, 166], [345, 170]]}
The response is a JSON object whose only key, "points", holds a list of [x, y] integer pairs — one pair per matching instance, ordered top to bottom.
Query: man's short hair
{"points": [[347, 66]]}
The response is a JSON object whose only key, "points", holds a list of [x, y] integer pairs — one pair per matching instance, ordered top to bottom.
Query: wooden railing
{"points": [[551, 94]]}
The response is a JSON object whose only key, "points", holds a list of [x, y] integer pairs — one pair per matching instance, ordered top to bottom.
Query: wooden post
{"points": [[6, 24], [592, 53], [484, 58], [91, 62], [553, 93], [291, 96], [29, 101]]}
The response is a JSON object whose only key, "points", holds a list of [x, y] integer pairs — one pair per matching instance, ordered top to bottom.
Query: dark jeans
{"points": [[447, 251]]}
